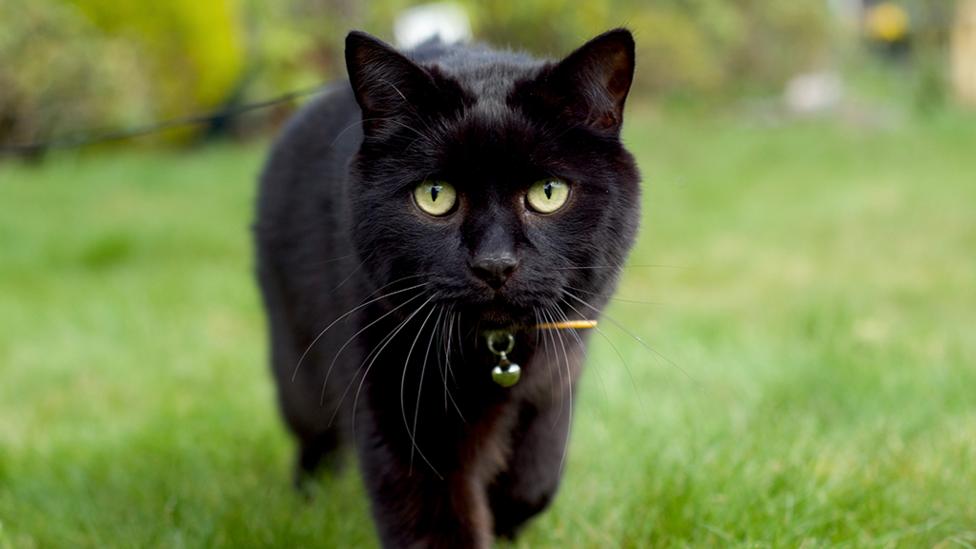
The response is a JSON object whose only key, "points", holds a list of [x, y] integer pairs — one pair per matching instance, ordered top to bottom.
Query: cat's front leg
{"points": [[530, 481], [419, 510], [431, 513]]}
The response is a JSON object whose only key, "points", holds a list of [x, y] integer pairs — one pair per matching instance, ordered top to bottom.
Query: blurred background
{"points": [[138, 62], [803, 287]]}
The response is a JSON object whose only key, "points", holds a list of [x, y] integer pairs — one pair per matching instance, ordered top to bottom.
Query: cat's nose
{"points": [[494, 269]]}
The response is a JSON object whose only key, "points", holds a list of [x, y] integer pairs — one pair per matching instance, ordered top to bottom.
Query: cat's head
{"points": [[498, 180]]}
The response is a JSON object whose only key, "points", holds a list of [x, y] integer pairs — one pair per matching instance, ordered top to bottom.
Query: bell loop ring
{"points": [[500, 342]]}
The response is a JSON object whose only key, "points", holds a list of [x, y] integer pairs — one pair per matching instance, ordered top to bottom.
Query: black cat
{"points": [[445, 195]]}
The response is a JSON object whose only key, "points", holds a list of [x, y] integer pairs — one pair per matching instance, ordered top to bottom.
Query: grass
{"points": [[811, 286]]}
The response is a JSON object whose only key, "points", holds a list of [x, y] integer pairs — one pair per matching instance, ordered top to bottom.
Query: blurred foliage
{"points": [[297, 43], [686, 46], [193, 52], [68, 65], [54, 76]]}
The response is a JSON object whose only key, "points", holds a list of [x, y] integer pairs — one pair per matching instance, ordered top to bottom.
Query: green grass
{"points": [[812, 287]]}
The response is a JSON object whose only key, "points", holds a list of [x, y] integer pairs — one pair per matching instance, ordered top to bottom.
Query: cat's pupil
{"points": [[548, 189], [434, 191]]}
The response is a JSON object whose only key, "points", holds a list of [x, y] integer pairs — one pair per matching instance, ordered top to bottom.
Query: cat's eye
{"points": [[547, 195], [435, 197]]}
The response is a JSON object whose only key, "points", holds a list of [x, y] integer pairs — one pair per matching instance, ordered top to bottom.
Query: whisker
{"points": [[330, 260], [647, 266], [343, 282], [391, 283], [614, 298], [344, 315], [631, 334], [354, 336], [579, 340], [545, 345], [460, 346], [445, 350], [379, 351], [374, 352], [555, 356], [448, 370], [403, 378], [420, 386], [569, 387], [640, 400]]}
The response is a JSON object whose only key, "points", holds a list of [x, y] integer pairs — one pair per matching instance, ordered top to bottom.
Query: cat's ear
{"points": [[385, 82], [592, 82]]}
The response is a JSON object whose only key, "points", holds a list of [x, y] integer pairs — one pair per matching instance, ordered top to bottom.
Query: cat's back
{"points": [[305, 174]]}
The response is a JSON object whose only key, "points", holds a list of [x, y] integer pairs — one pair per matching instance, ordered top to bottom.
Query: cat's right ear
{"points": [[386, 83]]}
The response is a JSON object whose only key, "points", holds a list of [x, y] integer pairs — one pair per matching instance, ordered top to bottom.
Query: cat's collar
{"points": [[566, 325]]}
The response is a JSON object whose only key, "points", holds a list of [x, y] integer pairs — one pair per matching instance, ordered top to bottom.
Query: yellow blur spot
{"points": [[886, 22]]}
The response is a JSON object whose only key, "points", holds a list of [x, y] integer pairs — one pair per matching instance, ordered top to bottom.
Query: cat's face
{"points": [[499, 182]]}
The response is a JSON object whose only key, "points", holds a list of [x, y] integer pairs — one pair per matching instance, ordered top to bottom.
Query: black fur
{"points": [[338, 231]]}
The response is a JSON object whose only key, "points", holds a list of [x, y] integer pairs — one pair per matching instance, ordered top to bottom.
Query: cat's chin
{"points": [[498, 314]]}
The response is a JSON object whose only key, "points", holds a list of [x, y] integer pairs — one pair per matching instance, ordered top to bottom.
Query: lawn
{"points": [[808, 290]]}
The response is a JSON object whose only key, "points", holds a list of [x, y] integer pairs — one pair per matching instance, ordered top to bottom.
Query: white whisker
{"points": [[345, 315], [629, 333], [354, 336], [630, 374], [403, 377], [420, 386], [569, 387]]}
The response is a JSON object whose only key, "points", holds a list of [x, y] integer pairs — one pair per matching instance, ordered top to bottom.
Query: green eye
{"points": [[547, 195], [435, 197]]}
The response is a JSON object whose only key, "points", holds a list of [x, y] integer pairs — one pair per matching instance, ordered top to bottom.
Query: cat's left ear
{"points": [[592, 82]]}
